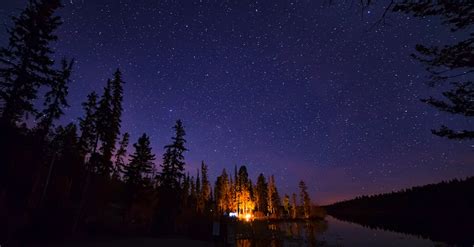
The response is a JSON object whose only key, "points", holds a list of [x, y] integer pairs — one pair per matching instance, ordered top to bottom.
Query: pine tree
{"points": [[26, 63], [451, 64], [55, 99], [117, 99], [109, 120], [88, 125], [105, 130], [65, 143], [120, 155], [173, 159], [64, 162], [141, 163], [198, 185], [186, 190], [192, 190], [222, 194], [262, 194], [233, 195], [204, 196], [273, 197], [270, 200], [305, 200], [244, 201], [286, 204], [294, 206]]}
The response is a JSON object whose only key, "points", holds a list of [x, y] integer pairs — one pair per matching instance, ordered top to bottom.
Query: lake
{"points": [[328, 232]]}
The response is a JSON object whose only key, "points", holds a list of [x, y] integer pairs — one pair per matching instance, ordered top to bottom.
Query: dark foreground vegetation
{"points": [[440, 212]]}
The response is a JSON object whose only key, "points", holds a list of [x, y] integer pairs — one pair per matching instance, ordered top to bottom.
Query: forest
{"points": [[60, 180], [441, 211]]}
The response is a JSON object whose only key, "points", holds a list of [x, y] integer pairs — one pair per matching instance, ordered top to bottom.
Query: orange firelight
{"points": [[248, 217]]}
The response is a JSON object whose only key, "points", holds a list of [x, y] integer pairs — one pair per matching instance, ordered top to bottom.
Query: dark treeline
{"points": [[67, 180], [441, 212]]}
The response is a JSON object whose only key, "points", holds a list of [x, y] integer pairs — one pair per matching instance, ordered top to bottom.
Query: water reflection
{"points": [[328, 232], [282, 233]]}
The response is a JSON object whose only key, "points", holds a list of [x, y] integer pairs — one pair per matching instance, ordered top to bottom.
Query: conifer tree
{"points": [[26, 63], [448, 64], [55, 99], [117, 100], [109, 120], [88, 125], [104, 128], [120, 155], [173, 159], [141, 164], [198, 185], [192, 189], [186, 190], [221, 192], [205, 194], [262, 194], [233, 195], [273, 197], [244, 200], [305, 200], [286, 204], [294, 206]]}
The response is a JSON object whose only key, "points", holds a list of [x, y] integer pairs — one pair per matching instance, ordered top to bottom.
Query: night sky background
{"points": [[298, 89]]}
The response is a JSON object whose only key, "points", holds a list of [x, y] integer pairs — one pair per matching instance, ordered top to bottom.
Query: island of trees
{"points": [[58, 180]]}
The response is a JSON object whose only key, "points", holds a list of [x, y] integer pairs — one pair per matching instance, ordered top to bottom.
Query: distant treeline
{"points": [[441, 212]]}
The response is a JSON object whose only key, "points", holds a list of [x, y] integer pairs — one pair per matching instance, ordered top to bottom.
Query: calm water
{"points": [[330, 232]]}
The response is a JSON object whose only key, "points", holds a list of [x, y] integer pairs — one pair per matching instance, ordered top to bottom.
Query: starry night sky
{"points": [[298, 89]]}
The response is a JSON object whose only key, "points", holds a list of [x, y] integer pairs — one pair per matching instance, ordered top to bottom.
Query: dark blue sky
{"points": [[298, 89]]}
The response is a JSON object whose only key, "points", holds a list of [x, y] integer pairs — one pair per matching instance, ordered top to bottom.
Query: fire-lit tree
{"points": [[222, 193], [261, 197], [305, 200], [274, 202], [245, 204], [286, 204], [294, 206]]}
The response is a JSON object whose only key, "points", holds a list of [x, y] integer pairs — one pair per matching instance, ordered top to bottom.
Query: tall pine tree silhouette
{"points": [[26, 63], [450, 63], [117, 98], [55, 99], [109, 120], [88, 126], [104, 128], [173, 159], [141, 163], [119, 168], [170, 179], [262, 194], [205, 195], [305, 200]]}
